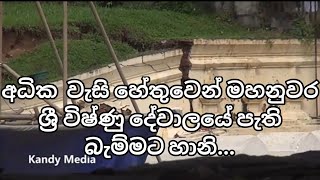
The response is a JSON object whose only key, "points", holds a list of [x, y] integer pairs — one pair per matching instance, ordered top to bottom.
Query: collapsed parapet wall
{"points": [[252, 61]]}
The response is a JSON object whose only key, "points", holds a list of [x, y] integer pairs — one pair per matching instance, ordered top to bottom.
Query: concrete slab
{"points": [[282, 141], [311, 142], [275, 144]]}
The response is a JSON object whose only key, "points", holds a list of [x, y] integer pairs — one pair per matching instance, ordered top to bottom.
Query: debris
{"points": [[81, 104], [103, 108], [126, 112]]}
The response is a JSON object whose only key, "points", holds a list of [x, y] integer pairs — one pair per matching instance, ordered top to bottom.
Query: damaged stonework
{"points": [[185, 64], [185, 67], [104, 108]]}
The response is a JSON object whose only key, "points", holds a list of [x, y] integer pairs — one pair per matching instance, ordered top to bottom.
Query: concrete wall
{"points": [[252, 61], [257, 62]]}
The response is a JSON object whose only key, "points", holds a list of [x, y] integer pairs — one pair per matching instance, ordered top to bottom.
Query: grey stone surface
{"points": [[275, 144]]}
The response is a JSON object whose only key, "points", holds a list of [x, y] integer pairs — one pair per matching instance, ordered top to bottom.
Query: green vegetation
{"points": [[140, 24], [132, 30], [302, 30], [84, 55]]}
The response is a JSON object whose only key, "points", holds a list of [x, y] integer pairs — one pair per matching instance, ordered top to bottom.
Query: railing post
{"points": [[53, 45], [65, 52], [114, 56], [1, 61], [16, 75]]}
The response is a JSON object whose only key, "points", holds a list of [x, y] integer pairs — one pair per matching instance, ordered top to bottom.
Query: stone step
{"points": [[314, 121], [284, 124], [313, 124], [295, 128]]}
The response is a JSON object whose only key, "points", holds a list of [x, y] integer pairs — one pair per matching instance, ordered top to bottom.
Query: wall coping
{"points": [[248, 41], [226, 47], [247, 47], [145, 59]]}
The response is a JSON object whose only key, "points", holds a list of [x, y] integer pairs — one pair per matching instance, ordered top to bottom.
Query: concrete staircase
{"points": [[287, 126]]}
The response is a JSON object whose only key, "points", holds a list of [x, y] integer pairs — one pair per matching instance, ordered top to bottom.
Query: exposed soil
{"points": [[18, 42], [15, 44]]}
